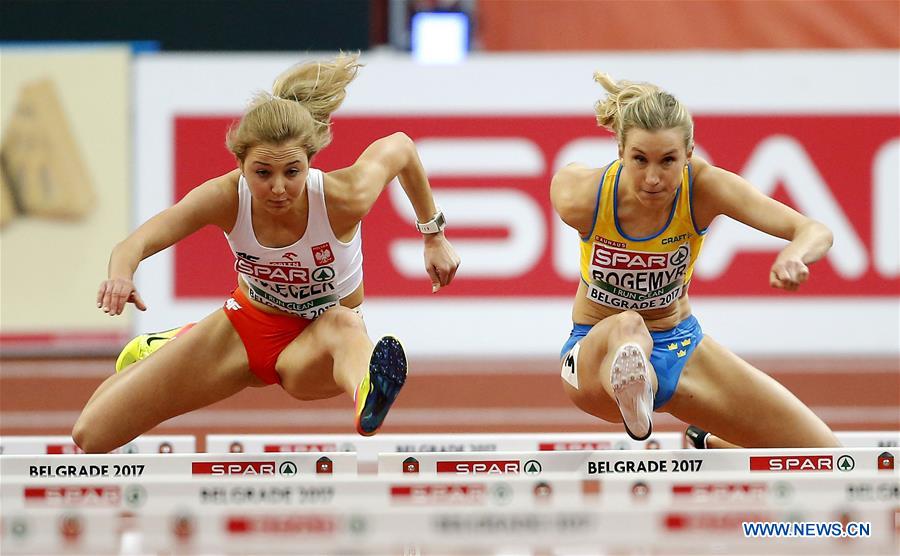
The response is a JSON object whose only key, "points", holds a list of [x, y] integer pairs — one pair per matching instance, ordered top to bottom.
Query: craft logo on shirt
{"points": [[676, 239], [322, 254]]}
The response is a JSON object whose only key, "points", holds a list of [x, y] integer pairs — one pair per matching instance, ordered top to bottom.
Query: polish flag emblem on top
{"points": [[322, 254]]}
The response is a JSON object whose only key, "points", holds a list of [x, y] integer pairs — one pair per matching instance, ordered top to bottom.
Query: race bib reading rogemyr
{"points": [[636, 280]]}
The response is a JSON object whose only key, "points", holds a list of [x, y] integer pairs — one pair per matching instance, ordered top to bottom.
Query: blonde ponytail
{"points": [[319, 86], [642, 105], [299, 108]]}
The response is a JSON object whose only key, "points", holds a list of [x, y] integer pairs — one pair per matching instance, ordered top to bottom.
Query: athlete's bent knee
{"points": [[341, 317], [630, 322], [85, 435]]}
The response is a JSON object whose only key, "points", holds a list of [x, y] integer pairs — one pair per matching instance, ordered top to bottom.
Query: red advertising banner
{"points": [[822, 160]]}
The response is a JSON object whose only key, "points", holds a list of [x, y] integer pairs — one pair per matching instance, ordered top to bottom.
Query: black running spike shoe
{"points": [[380, 387]]}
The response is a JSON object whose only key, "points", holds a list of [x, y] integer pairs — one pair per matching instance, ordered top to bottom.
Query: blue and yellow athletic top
{"points": [[639, 273]]}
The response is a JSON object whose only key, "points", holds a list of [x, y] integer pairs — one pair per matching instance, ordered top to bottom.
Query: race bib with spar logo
{"points": [[636, 280], [289, 285]]}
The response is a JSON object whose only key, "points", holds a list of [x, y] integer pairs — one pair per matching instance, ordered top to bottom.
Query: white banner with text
{"points": [[492, 131]]}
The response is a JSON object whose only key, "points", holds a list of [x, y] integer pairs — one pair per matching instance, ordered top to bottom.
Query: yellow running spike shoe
{"points": [[145, 344], [380, 387]]}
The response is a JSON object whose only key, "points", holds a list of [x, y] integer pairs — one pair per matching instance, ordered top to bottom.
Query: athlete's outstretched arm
{"points": [[395, 156], [717, 191], [209, 203]]}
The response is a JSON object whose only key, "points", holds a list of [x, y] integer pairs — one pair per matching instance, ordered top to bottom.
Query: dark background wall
{"points": [[198, 25]]}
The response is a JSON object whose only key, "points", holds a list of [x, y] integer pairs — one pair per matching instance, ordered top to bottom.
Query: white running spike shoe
{"points": [[630, 376]]}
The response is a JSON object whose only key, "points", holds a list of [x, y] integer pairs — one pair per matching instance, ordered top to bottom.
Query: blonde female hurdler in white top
{"points": [[291, 318]]}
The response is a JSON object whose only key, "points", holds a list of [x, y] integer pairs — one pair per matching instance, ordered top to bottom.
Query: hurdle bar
{"points": [[869, 439], [61, 444], [368, 448], [605, 463], [142, 466], [725, 490], [254, 530]]}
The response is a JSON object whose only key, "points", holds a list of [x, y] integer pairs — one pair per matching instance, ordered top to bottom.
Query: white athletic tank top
{"points": [[305, 278]]}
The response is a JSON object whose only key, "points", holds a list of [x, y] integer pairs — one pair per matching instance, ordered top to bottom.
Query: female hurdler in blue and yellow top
{"points": [[639, 273], [635, 347]]}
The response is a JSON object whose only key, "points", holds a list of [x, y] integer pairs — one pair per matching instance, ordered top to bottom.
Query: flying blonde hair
{"points": [[641, 105], [298, 109]]}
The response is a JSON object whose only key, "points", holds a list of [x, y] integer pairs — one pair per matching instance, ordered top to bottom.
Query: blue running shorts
{"points": [[671, 350]]}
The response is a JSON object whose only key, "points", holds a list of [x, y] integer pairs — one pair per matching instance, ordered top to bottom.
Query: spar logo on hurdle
{"points": [[574, 446], [311, 447], [63, 449], [795, 463], [509, 466], [489, 467], [244, 468], [704, 493], [438, 494], [472, 494], [67, 496], [679, 523], [312, 524]]}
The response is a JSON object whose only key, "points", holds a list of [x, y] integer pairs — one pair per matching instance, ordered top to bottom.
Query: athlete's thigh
{"points": [[205, 365], [306, 367], [720, 392], [591, 395]]}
